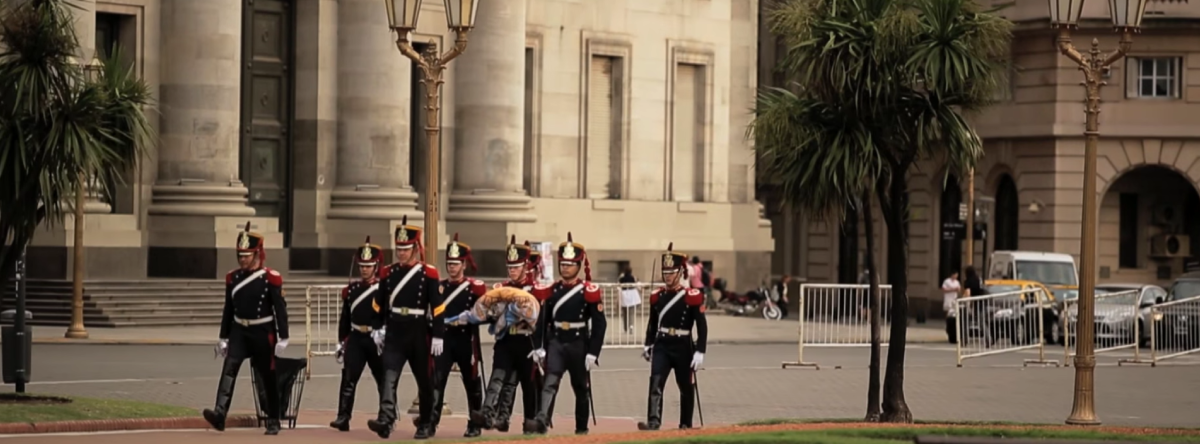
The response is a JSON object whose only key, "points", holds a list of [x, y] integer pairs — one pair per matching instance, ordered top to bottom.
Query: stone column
{"points": [[84, 16], [374, 81], [489, 82], [200, 103], [373, 188], [199, 204]]}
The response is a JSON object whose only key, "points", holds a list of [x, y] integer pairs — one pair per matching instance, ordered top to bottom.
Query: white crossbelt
{"points": [[247, 280], [405, 311], [249, 322], [362, 328], [674, 331]]}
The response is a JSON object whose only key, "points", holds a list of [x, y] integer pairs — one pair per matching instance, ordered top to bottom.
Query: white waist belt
{"points": [[405, 311], [249, 322], [570, 325], [362, 328], [675, 331]]}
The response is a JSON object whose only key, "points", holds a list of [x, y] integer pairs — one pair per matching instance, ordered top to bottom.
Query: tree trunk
{"points": [[895, 213], [873, 405]]}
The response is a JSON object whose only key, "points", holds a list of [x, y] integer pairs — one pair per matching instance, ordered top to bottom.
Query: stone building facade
{"points": [[621, 122], [1029, 183]]}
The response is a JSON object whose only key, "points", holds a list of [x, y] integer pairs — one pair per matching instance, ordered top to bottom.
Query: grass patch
{"points": [[40, 408], [783, 421], [896, 435]]}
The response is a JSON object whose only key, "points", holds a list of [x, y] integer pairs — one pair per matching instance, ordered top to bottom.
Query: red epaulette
{"points": [[431, 272], [229, 276], [274, 278], [542, 292], [592, 293], [654, 296], [694, 297]]}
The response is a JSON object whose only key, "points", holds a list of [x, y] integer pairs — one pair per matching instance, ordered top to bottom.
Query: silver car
{"points": [[1114, 315]]}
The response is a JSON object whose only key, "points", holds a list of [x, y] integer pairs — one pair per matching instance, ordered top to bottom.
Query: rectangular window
{"points": [[1154, 77], [603, 136], [418, 141], [687, 155], [527, 181], [1128, 231]]}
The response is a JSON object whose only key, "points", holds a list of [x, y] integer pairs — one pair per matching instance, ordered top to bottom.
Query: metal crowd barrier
{"points": [[836, 315], [1002, 323], [1117, 324], [626, 325], [1174, 329]]}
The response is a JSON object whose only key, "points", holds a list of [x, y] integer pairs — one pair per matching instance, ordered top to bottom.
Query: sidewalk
{"points": [[721, 330]]}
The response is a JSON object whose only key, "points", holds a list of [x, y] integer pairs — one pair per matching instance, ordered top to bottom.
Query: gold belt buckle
{"points": [[404, 311], [244, 322], [566, 326], [364, 328], [512, 330], [671, 331]]}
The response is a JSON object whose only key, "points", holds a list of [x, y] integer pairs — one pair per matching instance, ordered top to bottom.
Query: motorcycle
{"points": [[755, 302]]}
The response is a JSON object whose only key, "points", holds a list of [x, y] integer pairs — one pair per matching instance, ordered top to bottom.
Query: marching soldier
{"points": [[409, 295], [253, 301], [674, 308], [462, 341], [565, 341], [356, 347], [511, 363], [509, 394]]}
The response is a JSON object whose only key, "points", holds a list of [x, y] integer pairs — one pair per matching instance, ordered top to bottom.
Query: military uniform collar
{"points": [[460, 280]]}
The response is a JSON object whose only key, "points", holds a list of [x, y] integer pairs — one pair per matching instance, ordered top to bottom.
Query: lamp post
{"points": [[460, 18], [1126, 19], [91, 73]]}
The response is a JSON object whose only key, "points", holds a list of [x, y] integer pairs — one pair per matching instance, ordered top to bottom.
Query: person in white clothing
{"points": [[951, 288]]}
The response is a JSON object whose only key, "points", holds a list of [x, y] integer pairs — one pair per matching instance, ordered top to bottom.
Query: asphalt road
{"points": [[740, 382]]}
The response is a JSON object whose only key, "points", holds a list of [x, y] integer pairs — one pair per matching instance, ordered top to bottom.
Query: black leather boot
{"points": [[654, 403], [505, 404], [687, 404], [345, 405], [216, 415], [484, 417], [384, 424], [538, 424], [272, 427], [423, 432]]}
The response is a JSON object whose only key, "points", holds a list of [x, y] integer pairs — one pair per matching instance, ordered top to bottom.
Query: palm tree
{"points": [[877, 85], [58, 126]]}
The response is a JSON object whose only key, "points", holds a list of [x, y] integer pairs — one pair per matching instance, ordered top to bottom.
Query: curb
{"points": [[196, 342], [109, 425]]}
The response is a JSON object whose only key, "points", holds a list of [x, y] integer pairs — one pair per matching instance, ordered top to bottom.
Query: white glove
{"points": [[378, 336], [436, 346], [280, 347], [222, 348], [646, 352], [340, 354], [538, 356], [697, 360], [589, 361]]}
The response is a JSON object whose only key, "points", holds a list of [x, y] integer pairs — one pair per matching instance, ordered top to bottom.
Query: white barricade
{"points": [[836, 315], [1015, 319], [1116, 320], [626, 325], [1174, 329]]}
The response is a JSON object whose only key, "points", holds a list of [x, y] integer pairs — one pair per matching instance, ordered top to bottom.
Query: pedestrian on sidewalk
{"points": [[973, 286], [781, 289], [951, 289], [630, 298], [253, 301], [356, 348]]}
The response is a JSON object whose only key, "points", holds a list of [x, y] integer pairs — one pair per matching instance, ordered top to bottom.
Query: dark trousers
{"points": [[407, 342], [256, 343], [461, 348], [360, 352], [511, 354], [671, 354], [566, 357]]}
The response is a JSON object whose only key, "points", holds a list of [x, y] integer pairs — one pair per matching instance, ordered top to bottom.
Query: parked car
{"points": [[1057, 271], [1114, 314], [1015, 317], [1178, 326]]}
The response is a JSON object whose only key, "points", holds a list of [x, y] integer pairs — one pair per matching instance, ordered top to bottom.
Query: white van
{"points": [[1056, 271]]}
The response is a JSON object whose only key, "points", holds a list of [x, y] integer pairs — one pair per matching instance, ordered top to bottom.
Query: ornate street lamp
{"points": [[460, 18], [1127, 19], [91, 74]]}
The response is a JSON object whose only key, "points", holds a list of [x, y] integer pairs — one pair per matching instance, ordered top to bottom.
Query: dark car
{"points": [[1177, 322]]}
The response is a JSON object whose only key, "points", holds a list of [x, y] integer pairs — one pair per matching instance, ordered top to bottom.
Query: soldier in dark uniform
{"points": [[410, 297], [254, 302], [673, 310], [462, 341], [565, 341], [356, 347], [511, 355]]}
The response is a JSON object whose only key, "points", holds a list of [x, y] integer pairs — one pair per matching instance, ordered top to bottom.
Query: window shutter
{"points": [[600, 128], [683, 159]]}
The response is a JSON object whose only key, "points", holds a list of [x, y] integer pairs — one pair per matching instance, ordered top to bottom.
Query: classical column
{"points": [[84, 15], [374, 81], [489, 83], [200, 102]]}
